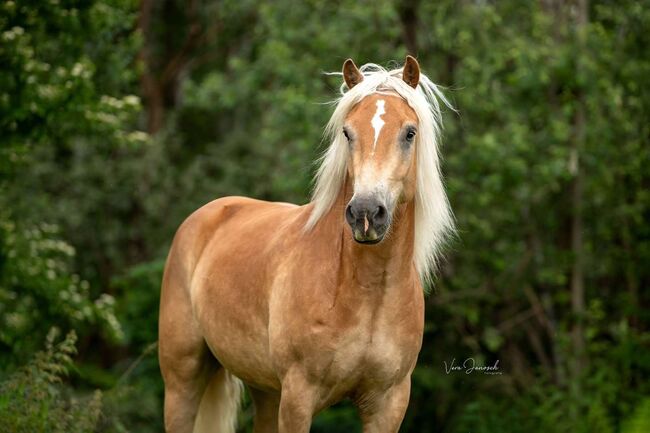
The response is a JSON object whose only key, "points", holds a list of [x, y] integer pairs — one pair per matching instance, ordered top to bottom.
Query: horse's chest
{"points": [[350, 341], [371, 352], [385, 353], [386, 358]]}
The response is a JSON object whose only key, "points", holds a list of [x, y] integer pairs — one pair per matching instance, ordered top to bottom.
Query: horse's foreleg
{"points": [[296, 403], [267, 406], [384, 412]]}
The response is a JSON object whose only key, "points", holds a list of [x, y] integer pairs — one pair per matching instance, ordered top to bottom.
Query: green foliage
{"points": [[51, 82], [89, 203], [38, 289], [139, 292], [34, 400], [133, 401], [343, 415], [640, 420]]}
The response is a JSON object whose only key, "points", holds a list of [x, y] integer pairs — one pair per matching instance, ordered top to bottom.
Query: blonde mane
{"points": [[433, 217]]}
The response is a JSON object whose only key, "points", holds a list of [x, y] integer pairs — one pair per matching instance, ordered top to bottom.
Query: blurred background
{"points": [[118, 118]]}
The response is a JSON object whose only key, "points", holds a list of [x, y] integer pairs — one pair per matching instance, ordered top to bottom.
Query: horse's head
{"points": [[381, 132], [383, 147]]}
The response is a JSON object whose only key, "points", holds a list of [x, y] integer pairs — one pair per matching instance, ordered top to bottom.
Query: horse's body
{"points": [[304, 317]]}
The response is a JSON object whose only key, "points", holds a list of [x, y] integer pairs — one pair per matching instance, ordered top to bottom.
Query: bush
{"points": [[35, 399]]}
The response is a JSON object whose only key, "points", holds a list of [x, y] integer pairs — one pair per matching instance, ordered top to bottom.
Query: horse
{"points": [[308, 305]]}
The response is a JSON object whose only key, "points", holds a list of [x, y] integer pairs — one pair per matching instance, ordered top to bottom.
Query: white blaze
{"points": [[377, 122]]}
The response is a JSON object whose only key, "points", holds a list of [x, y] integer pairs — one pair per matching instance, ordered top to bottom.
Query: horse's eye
{"points": [[410, 135], [347, 136]]}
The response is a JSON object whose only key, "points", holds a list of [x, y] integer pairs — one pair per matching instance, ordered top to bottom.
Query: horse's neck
{"points": [[374, 267]]}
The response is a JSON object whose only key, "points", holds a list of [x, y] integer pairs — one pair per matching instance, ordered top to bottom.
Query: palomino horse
{"points": [[311, 304]]}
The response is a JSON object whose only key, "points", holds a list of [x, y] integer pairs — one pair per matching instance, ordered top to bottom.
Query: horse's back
{"points": [[216, 219]]}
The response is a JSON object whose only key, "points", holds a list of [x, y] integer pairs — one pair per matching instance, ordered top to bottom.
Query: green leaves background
{"points": [[91, 190]]}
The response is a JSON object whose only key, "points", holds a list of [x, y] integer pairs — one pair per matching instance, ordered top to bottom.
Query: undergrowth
{"points": [[35, 399]]}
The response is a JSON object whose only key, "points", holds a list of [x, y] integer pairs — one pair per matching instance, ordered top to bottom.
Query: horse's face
{"points": [[381, 131]]}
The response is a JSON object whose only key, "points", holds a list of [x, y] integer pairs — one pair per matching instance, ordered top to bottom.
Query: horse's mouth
{"points": [[370, 237], [369, 241]]}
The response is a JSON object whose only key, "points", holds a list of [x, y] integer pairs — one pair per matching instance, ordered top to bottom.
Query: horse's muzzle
{"points": [[368, 218]]}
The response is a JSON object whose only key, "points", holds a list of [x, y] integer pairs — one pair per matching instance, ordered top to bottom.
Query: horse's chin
{"points": [[368, 240]]}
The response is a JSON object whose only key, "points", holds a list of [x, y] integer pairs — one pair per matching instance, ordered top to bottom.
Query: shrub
{"points": [[35, 399]]}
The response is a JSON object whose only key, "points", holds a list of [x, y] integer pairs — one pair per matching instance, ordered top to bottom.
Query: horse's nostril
{"points": [[364, 211], [349, 215], [380, 215]]}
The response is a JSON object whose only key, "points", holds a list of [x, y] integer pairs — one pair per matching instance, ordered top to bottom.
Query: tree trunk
{"points": [[408, 13], [161, 75], [153, 100], [577, 226]]}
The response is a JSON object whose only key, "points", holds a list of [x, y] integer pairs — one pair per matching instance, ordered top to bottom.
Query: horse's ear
{"points": [[411, 72], [351, 74]]}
